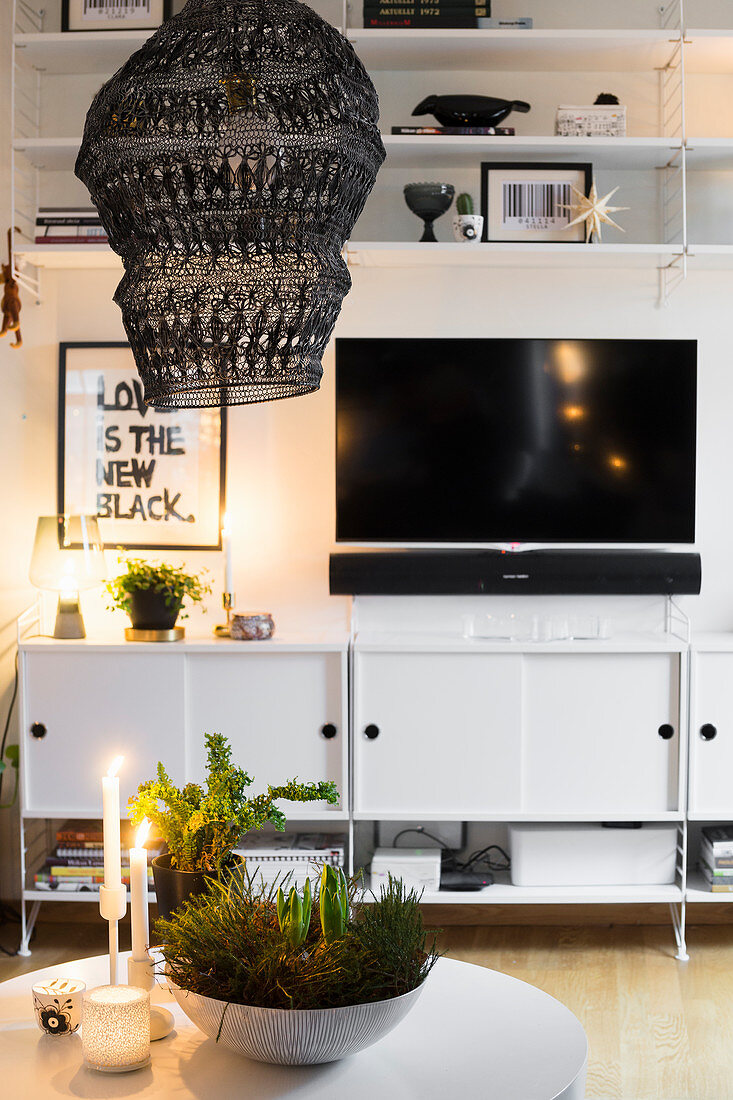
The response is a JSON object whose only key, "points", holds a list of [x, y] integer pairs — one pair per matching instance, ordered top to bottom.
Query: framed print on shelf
{"points": [[114, 15], [527, 202], [154, 477]]}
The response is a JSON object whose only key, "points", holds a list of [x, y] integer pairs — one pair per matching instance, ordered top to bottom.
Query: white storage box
{"points": [[597, 120], [590, 855], [419, 868]]}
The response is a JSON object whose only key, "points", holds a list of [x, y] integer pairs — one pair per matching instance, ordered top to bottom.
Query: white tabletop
{"points": [[473, 1033]]}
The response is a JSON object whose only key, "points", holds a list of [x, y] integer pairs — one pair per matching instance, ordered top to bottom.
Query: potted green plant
{"points": [[467, 226], [152, 593], [202, 825], [257, 975]]}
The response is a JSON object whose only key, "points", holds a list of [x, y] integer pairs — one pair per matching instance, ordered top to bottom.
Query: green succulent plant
{"points": [[464, 204], [333, 902], [294, 915]]}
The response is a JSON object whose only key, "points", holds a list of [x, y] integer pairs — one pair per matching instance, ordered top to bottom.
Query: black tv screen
{"points": [[494, 440]]}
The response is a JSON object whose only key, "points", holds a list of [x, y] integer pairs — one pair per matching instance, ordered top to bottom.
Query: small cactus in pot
{"points": [[467, 226]]}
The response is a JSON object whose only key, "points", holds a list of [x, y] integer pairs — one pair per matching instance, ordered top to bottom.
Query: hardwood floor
{"points": [[658, 1029]]}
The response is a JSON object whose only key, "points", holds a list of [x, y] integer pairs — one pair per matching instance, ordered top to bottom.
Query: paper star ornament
{"points": [[593, 211]]}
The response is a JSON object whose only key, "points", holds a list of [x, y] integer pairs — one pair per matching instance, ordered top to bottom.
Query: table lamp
{"points": [[68, 556]]}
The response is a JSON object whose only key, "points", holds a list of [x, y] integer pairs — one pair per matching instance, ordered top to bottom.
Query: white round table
{"points": [[473, 1033]]}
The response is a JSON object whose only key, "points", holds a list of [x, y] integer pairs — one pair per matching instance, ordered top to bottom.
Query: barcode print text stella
{"points": [[116, 7], [535, 205]]}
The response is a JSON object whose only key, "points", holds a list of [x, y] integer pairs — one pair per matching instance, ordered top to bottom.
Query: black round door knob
{"points": [[38, 730], [328, 731], [371, 731], [708, 731], [666, 732]]}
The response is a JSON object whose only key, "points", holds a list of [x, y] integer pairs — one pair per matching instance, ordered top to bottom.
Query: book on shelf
{"points": [[426, 7], [456, 21], [521, 23], [455, 131], [62, 225], [80, 833], [720, 839], [717, 862], [714, 879]]}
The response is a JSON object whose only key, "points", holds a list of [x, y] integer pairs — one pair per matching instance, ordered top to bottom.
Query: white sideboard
{"points": [[412, 728]]}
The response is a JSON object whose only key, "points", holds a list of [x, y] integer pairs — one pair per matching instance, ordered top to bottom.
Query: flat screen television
{"points": [[482, 441]]}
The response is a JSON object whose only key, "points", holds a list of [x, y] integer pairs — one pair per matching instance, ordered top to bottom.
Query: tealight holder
{"points": [[57, 1004], [116, 1033]]}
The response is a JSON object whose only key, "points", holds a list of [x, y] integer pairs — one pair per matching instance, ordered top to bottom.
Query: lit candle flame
{"points": [[225, 528], [115, 766], [142, 833]]}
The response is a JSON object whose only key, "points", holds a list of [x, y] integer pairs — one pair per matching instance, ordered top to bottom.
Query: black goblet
{"points": [[429, 201]]}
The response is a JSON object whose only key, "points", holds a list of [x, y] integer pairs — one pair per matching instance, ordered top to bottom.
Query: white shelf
{"points": [[78, 51], [514, 51], [709, 51], [463, 152], [53, 154], [709, 154], [517, 254], [57, 257], [710, 257], [319, 641], [396, 642], [504, 816], [698, 890], [506, 894], [69, 895]]}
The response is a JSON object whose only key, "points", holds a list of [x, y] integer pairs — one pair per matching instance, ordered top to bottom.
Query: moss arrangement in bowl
{"points": [[153, 593], [202, 825], [255, 973]]}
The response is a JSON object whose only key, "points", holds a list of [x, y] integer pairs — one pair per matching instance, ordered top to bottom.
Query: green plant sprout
{"points": [[464, 204], [333, 902], [294, 915]]}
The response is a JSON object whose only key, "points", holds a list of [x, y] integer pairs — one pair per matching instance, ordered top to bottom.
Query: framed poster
{"points": [[114, 15], [528, 202], [155, 477]]}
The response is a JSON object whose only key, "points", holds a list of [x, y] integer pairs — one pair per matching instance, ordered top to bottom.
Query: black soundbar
{"points": [[531, 572]]}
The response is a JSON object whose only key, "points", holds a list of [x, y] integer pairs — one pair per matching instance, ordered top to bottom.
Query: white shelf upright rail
{"points": [[25, 108], [674, 173], [677, 623]]}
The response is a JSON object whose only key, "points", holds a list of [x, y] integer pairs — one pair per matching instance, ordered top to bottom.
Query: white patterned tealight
{"points": [[57, 1005], [116, 1033]]}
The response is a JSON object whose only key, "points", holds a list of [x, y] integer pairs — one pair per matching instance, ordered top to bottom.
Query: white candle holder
{"points": [[112, 906], [141, 972], [115, 1037]]}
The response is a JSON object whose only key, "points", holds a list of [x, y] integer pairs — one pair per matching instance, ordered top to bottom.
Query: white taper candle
{"points": [[111, 825], [139, 894]]}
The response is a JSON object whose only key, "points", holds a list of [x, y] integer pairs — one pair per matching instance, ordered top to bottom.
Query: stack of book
{"points": [[435, 14], [453, 131], [69, 225], [301, 855], [716, 857], [77, 862]]}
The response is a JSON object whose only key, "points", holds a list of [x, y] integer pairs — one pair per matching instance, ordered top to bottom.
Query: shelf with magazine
{"points": [[710, 862]]}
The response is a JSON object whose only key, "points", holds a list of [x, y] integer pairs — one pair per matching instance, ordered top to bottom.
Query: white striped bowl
{"points": [[294, 1037]]}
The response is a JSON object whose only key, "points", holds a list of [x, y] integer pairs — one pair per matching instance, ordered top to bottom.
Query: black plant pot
{"points": [[149, 610], [173, 887]]}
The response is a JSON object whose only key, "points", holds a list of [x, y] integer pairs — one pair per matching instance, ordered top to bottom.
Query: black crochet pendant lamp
{"points": [[229, 159]]}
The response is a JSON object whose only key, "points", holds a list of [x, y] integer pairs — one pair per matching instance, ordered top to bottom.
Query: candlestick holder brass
{"points": [[224, 630]]}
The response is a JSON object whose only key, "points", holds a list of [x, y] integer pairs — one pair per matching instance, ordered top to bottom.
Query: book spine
{"points": [[426, 10], [444, 22], [457, 131], [72, 219], [94, 838], [79, 849], [717, 851], [713, 876], [719, 888]]}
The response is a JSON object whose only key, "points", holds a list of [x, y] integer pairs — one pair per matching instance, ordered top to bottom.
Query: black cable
{"points": [[7, 723], [449, 858]]}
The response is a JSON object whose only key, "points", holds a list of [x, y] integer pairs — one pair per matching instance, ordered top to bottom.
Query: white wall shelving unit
{"points": [[673, 50]]}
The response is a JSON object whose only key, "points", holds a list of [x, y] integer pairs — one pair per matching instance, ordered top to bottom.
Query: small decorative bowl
{"points": [[252, 626], [57, 1005]]}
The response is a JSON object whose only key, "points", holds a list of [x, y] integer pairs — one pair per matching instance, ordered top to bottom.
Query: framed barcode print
{"points": [[114, 15], [531, 202]]}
